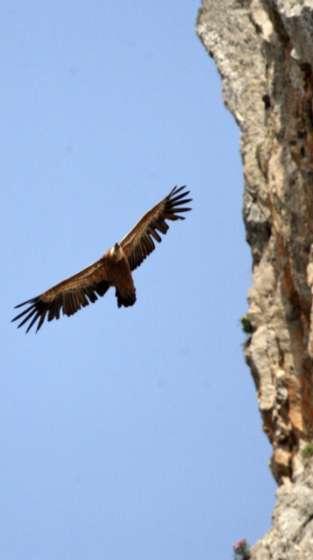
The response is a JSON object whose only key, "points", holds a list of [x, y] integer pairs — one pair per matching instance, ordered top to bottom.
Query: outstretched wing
{"points": [[139, 242], [68, 296]]}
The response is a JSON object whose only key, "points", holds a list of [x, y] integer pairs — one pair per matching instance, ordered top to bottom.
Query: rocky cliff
{"points": [[264, 52]]}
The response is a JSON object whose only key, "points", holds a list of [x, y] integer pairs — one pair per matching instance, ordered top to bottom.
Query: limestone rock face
{"points": [[264, 52]]}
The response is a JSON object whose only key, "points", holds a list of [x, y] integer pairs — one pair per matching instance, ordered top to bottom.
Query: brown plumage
{"points": [[113, 269]]}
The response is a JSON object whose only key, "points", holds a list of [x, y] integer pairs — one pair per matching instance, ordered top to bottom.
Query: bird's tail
{"points": [[125, 299]]}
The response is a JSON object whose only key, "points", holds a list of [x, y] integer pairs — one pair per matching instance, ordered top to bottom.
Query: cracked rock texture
{"points": [[263, 50]]}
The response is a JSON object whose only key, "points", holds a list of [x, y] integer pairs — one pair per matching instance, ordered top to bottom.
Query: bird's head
{"points": [[116, 252]]}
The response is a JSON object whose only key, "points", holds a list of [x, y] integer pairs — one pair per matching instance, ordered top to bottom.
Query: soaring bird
{"points": [[113, 269]]}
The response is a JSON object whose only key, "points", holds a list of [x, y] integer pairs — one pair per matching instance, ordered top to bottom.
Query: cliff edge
{"points": [[263, 50]]}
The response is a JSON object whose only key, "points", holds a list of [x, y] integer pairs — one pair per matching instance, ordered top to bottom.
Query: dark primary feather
{"points": [[140, 241]]}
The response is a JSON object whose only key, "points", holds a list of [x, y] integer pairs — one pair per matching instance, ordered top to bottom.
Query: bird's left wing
{"points": [[139, 242], [68, 296]]}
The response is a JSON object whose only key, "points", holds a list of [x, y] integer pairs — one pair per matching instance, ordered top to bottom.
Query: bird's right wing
{"points": [[139, 242], [68, 296]]}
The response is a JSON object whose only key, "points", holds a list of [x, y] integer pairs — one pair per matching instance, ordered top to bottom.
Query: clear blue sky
{"points": [[125, 433]]}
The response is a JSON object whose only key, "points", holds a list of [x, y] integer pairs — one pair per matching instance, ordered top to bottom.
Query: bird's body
{"points": [[113, 269], [119, 274]]}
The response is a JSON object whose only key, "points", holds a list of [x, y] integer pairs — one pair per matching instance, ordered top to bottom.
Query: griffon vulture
{"points": [[113, 269]]}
